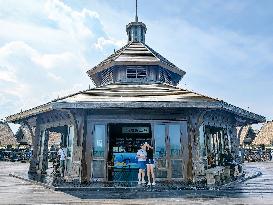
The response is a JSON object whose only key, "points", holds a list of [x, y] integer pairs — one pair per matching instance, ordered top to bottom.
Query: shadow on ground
{"points": [[153, 193]]}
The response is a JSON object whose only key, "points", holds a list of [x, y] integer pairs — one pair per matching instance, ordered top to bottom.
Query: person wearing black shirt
{"points": [[150, 163]]}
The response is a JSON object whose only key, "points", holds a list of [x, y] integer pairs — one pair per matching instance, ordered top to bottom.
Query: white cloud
{"points": [[68, 19], [102, 43], [46, 47], [12, 48], [45, 54], [50, 61], [219, 62], [6, 75], [30, 77], [55, 77]]}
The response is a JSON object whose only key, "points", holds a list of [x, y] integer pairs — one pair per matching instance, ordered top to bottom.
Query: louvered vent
{"points": [[107, 76], [165, 76]]}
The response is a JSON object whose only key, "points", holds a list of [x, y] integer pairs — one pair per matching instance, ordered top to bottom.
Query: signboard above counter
{"points": [[135, 130]]}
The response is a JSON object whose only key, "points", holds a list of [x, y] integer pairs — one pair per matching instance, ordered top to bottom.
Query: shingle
{"points": [[137, 53]]}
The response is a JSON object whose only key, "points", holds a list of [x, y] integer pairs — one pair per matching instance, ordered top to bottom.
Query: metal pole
{"points": [[136, 13]]}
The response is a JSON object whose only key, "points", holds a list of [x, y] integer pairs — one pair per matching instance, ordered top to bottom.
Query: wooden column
{"points": [[195, 120], [239, 134], [235, 141], [40, 151], [185, 151], [79, 155], [88, 157], [44, 159], [33, 168], [189, 172], [84, 177]]}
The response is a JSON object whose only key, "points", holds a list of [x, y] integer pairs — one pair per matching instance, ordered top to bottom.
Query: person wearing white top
{"points": [[62, 158], [141, 158]]}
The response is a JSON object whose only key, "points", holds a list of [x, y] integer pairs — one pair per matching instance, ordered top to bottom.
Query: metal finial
{"points": [[136, 13]]}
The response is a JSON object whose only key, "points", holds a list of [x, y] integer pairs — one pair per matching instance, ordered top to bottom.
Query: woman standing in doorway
{"points": [[141, 158], [150, 163]]}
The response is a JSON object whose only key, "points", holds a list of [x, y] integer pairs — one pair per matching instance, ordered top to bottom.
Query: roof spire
{"points": [[136, 19], [136, 30]]}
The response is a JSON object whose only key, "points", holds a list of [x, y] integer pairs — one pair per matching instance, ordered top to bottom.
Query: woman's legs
{"points": [[141, 172], [149, 173], [152, 173], [139, 175], [143, 175]]}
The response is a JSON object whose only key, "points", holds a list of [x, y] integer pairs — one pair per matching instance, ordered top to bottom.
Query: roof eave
{"points": [[131, 104], [137, 104], [28, 113], [255, 118]]}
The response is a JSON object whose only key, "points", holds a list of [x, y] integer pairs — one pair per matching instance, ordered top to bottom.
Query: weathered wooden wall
{"points": [[118, 74], [212, 118], [81, 121]]}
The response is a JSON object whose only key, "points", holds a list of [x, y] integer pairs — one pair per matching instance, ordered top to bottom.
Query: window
{"points": [[135, 34], [130, 35], [142, 35], [136, 73], [159, 135], [175, 135], [99, 141]]}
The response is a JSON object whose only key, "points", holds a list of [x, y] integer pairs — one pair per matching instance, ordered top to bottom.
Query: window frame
{"points": [[137, 74]]}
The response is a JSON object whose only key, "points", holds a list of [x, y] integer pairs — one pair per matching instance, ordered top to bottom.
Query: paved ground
{"points": [[254, 191]]}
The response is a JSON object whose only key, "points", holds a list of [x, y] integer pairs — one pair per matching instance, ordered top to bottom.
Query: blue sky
{"points": [[226, 47]]}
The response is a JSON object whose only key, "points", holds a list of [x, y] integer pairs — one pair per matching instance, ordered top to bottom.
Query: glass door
{"points": [[178, 138], [160, 139], [99, 151], [171, 153]]}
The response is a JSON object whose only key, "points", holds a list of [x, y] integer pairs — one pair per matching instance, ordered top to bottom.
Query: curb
{"points": [[243, 179], [33, 182], [78, 188], [64, 189]]}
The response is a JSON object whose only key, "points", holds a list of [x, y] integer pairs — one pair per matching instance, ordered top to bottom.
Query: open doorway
{"points": [[56, 137], [52, 139], [124, 141]]}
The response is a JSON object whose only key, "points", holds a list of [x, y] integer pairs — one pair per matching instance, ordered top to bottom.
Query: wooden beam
{"points": [[35, 148]]}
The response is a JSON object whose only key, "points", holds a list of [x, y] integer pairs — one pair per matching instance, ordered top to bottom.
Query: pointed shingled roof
{"points": [[136, 53], [139, 96], [6, 135], [265, 135]]}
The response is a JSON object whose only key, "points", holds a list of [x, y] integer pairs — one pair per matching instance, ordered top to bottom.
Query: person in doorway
{"points": [[52, 152], [62, 158], [141, 158], [229, 161], [150, 163]]}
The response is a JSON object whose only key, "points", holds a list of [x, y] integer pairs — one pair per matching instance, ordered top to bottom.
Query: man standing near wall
{"points": [[62, 158]]}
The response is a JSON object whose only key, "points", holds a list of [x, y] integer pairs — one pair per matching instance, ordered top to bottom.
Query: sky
{"points": [[226, 47]]}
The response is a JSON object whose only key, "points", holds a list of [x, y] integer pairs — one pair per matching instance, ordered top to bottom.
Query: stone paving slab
{"points": [[250, 173], [254, 191]]}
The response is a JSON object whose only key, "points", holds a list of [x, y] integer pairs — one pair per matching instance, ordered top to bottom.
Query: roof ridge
{"points": [[149, 49], [119, 52], [159, 56], [112, 57], [76, 93], [212, 98], [52, 101], [224, 103]]}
